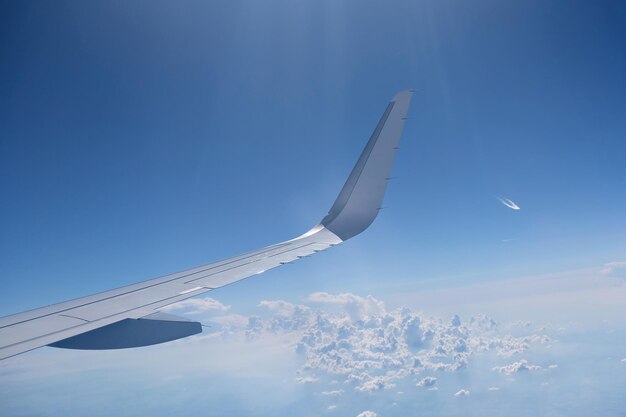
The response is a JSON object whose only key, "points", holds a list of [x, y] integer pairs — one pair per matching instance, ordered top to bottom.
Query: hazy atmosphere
{"points": [[141, 138]]}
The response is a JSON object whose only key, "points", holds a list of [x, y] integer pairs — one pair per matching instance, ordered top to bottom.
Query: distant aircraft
{"points": [[509, 203], [129, 316]]}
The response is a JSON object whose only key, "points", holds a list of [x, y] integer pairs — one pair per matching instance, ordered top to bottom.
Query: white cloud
{"points": [[617, 268], [197, 305], [356, 306], [282, 308], [288, 317], [235, 321], [481, 322], [368, 348], [553, 366], [515, 367], [306, 379], [427, 382], [375, 384], [493, 389], [335, 393], [462, 393], [331, 407], [367, 413]]}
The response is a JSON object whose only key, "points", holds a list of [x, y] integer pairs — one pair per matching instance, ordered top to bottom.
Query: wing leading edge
{"points": [[129, 316]]}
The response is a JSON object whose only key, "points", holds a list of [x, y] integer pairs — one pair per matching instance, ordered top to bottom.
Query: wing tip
{"points": [[403, 94], [358, 203]]}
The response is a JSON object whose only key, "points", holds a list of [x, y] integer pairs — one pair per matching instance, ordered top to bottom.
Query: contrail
{"points": [[508, 203]]}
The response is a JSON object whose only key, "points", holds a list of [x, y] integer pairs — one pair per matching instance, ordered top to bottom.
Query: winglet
{"points": [[362, 195]]}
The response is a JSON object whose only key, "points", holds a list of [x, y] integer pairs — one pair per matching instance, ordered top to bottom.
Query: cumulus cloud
{"points": [[197, 305], [356, 306], [283, 308], [287, 317], [481, 322], [368, 348], [371, 348], [373, 352], [516, 367], [305, 379], [427, 382], [375, 383], [493, 389], [334, 393], [462, 393], [331, 407], [367, 413]]}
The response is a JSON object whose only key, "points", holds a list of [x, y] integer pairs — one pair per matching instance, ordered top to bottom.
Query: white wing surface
{"points": [[129, 317]]}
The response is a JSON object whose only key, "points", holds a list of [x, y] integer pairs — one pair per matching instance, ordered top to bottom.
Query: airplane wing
{"points": [[130, 317]]}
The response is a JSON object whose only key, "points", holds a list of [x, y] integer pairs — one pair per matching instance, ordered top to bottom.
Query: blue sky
{"points": [[142, 138]]}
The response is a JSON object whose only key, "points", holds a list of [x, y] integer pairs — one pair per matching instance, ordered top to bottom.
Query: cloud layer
{"points": [[368, 348], [516, 367]]}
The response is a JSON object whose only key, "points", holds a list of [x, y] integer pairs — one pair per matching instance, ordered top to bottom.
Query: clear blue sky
{"points": [[142, 138]]}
